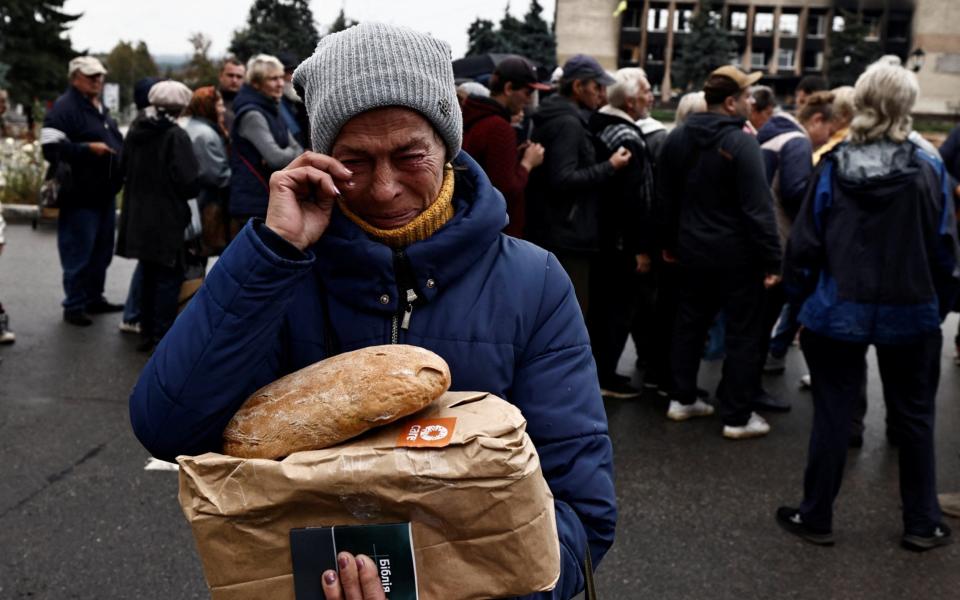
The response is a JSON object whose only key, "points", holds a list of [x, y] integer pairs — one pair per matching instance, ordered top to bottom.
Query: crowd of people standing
{"points": [[836, 221]]}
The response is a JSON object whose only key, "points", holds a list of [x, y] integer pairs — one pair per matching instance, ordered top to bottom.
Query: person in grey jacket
{"points": [[204, 123]]}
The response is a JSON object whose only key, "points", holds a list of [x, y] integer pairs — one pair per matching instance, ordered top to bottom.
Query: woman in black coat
{"points": [[161, 176]]}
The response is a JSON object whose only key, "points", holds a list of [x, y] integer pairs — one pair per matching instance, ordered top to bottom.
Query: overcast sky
{"points": [[165, 25]]}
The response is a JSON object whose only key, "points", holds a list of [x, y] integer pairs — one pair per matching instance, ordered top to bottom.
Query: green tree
{"points": [[341, 23], [277, 27], [481, 37], [531, 37], [538, 43], [35, 48], [705, 48], [850, 52], [127, 64], [200, 70]]}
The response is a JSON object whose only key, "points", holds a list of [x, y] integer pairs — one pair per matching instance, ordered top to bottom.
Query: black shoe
{"points": [[101, 306], [77, 317], [618, 389], [764, 402], [855, 440], [791, 521], [940, 536]]}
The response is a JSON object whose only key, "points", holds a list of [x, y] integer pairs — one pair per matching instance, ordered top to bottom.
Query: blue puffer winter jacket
{"points": [[501, 311]]}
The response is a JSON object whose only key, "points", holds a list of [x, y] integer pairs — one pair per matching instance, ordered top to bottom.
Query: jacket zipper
{"points": [[401, 319]]}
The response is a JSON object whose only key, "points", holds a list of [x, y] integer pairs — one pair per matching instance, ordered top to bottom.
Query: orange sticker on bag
{"points": [[427, 433]]}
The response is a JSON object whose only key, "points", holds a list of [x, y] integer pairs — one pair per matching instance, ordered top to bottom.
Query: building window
{"points": [[631, 19], [657, 19], [681, 20], [738, 21], [763, 24], [789, 24], [838, 24], [872, 25], [817, 26], [898, 31], [630, 54], [654, 54], [785, 59], [758, 60], [813, 61]]}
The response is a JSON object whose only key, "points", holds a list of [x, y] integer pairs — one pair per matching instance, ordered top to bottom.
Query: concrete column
{"points": [[643, 32], [827, 38], [801, 40], [748, 43], [774, 64], [666, 85]]}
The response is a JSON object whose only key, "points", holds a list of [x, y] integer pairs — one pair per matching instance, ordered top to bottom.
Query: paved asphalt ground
{"points": [[80, 518]]}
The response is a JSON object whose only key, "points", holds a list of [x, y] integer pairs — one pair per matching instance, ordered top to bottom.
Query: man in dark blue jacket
{"points": [[82, 144], [378, 239]]}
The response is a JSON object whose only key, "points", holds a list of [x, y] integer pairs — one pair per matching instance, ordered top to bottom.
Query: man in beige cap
{"points": [[82, 144], [719, 230]]}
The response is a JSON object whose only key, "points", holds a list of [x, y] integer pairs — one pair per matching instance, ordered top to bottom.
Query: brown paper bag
{"points": [[482, 515]]}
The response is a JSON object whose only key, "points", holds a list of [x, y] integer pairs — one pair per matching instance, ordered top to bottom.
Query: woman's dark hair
{"points": [[763, 98]]}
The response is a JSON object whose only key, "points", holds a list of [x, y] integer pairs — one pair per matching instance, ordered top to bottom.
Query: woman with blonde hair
{"points": [[693, 102], [261, 141], [873, 259]]}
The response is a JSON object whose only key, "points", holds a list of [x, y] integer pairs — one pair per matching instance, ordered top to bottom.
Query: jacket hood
{"points": [[249, 96], [557, 106], [477, 108], [778, 124], [706, 128], [866, 170], [481, 212]]}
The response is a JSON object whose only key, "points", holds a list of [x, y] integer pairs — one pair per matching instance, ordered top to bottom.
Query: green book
{"points": [[314, 550]]}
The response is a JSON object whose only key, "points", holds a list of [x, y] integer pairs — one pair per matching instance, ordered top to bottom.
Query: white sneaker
{"points": [[126, 327], [7, 337], [805, 382], [682, 412], [755, 427]]}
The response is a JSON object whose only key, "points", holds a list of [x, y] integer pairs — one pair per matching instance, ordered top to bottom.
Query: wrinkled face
{"points": [[231, 77], [272, 84], [88, 85], [589, 94], [639, 106], [397, 160]]}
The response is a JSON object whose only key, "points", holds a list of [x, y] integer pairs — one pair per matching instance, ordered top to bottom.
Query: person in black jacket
{"points": [[82, 144], [162, 175], [563, 195], [719, 229], [621, 269]]}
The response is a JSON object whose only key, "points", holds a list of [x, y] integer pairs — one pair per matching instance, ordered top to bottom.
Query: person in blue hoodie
{"points": [[261, 141], [388, 233], [872, 258]]}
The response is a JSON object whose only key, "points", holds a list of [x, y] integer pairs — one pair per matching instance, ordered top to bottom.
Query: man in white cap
{"points": [[82, 144]]}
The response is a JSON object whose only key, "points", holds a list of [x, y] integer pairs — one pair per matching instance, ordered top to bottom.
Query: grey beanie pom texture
{"points": [[374, 65]]}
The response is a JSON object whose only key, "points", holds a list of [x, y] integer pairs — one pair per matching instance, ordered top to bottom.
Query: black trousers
{"points": [[614, 288], [160, 291], [701, 294], [653, 324], [910, 375]]}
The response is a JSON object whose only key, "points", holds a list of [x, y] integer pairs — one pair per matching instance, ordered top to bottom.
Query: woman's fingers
{"points": [[321, 162], [305, 182], [349, 577], [369, 579], [331, 586]]}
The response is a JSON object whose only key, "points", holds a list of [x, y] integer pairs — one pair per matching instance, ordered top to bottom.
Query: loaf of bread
{"points": [[334, 400]]}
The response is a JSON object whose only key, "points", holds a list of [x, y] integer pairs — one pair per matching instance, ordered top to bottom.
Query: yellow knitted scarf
{"points": [[422, 227]]}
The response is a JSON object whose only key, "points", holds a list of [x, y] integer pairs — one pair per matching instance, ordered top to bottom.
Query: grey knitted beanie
{"points": [[373, 65]]}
